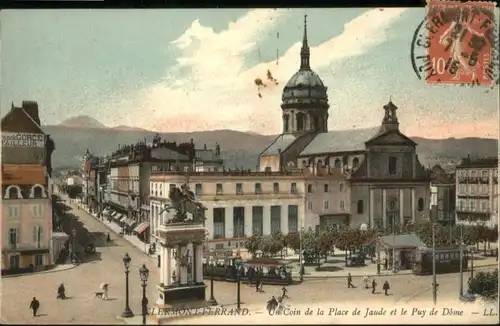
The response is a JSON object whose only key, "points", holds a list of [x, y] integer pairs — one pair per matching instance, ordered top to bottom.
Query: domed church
{"points": [[384, 180]]}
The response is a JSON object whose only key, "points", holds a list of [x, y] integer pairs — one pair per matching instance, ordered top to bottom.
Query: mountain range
{"points": [[239, 149]]}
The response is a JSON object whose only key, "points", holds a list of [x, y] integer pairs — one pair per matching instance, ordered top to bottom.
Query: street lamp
{"points": [[73, 256], [301, 257], [461, 260], [211, 261], [144, 274], [434, 284], [238, 285], [127, 313]]}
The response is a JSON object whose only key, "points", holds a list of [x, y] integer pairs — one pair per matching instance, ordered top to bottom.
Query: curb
{"points": [[53, 270], [313, 277]]}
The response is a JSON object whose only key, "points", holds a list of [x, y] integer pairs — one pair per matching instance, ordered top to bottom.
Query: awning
{"points": [[105, 211], [112, 213], [117, 217], [123, 219], [130, 222], [141, 227]]}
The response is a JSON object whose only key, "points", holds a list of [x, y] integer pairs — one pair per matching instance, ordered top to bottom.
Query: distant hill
{"points": [[82, 121], [239, 149]]}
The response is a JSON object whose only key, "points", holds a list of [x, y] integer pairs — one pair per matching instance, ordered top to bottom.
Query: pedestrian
{"points": [[109, 238], [250, 276], [349, 281], [365, 281], [261, 283], [257, 284], [374, 286], [386, 287], [61, 292], [284, 293], [105, 294], [34, 305]]}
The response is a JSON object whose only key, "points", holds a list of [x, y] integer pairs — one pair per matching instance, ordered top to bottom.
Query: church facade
{"points": [[373, 177]]}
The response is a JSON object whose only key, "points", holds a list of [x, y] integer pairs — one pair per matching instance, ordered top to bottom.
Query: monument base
{"points": [[180, 295]]}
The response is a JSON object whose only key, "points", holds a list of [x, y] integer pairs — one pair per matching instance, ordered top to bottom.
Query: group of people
{"points": [[366, 282], [61, 294], [277, 304]]}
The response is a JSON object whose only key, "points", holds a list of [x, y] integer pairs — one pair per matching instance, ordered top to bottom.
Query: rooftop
{"points": [[484, 162]]}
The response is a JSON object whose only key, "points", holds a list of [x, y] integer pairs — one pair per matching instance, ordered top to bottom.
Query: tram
{"points": [[447, 261]]}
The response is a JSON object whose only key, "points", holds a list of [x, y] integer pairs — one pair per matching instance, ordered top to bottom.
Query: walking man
{"points": [[349, 281], [374, 286], [386, 287], [284, 293], [34, 305]]}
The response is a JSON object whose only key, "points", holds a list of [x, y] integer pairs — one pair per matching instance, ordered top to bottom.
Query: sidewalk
{"points": [[117, 230], [57, 268]]}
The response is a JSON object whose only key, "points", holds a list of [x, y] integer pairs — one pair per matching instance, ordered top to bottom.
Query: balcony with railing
{"points": [[464, 214]]}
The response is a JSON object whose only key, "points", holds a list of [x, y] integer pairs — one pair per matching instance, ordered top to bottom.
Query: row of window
{"points": [[337, 163], [475, 174], [326, 188], [473, 188], [219, 189], [14, 192], [326, 205], [360, 205], [470, 205], [15, 210], [219, 220], [14, 236]]}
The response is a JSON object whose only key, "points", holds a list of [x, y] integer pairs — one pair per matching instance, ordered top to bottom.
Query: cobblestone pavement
{"points": [[81, 283]]}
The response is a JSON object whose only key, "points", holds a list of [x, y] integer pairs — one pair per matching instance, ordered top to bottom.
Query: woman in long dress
{"points": [[104, 287]]}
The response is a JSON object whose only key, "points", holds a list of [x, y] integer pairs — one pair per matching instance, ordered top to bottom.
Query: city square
{"points": [[285, 166]]}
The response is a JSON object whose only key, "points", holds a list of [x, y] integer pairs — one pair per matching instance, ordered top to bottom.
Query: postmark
{"points": [[457, 44]]}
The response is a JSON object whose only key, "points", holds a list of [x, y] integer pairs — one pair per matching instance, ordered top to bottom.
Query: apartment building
{"points": [[26, 191], [477, 191], [443, 195], [239, 203]]}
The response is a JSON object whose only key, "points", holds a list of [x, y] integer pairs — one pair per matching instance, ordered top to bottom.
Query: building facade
{"points": [[129, 169], [382, 180], [26, 191], [477, 191], [443, 196], [239, 203]]}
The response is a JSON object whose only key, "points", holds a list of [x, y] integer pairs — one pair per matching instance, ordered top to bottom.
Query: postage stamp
{"points": [[460, 40]]}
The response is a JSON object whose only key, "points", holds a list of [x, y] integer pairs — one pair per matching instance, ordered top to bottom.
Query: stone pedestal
{"points": [[181, 265]]}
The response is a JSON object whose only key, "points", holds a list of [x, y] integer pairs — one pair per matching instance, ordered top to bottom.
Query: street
{"points": [[82, 281]]}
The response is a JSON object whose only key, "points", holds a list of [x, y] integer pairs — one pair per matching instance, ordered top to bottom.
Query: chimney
{"points": [[31, 107], [205, 146], [217, 149]]}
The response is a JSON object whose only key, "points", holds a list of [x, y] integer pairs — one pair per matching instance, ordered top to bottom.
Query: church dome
{"points": [[305, 78], [305, 86]]}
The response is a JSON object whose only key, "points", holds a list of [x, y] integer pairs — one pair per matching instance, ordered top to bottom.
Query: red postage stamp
{"points": [[461, 38]]}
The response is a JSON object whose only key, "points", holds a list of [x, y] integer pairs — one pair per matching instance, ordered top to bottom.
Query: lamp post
{"points": [[394, 243], [73, 256], [301, 257], [461, 260], [211, 261], [144, 274], [434, 284], [238, 285], [127, 313]]}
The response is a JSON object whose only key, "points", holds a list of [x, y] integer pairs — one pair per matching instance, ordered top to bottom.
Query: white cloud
{"points": [[217, 92]]}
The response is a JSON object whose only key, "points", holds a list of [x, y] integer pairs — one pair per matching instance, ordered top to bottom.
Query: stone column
{"points": [[413, 205], [384, 207], [401, 207], [372, 208], [284, 219], [266, 220], [248, 221], [228, 222], [190, 251], [168, 263], [199, 263], [178, 271]]}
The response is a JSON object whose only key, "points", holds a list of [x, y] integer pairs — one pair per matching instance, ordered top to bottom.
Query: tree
{"points": [[492, 235], [292, 241], [253, 244], [485, 284]]}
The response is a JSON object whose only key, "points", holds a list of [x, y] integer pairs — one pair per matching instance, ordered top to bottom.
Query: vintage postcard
{"points": [[277, 166]]}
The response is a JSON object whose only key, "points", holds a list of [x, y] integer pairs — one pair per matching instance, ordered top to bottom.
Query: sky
{"points": [[191, 70]]}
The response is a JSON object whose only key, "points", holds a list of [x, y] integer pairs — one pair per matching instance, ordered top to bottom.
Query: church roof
{"points": [[339, 141], [281, 143]]}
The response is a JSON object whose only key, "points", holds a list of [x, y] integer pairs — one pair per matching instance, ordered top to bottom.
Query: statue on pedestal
{"points": [[183, 200]]}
